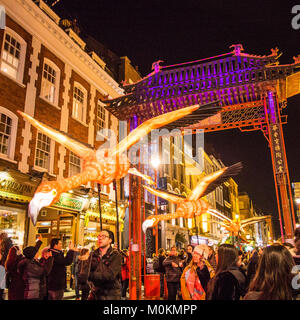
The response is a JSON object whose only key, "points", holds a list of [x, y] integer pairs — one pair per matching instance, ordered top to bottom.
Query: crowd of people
{"points": [[193, 273], [229, 273], [28, 275]]}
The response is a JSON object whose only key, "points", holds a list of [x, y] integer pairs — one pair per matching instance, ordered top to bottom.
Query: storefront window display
{"points": [[13, 223], [90, 234]]}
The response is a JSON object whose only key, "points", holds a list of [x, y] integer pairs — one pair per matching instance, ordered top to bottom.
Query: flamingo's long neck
{"points": [[75, 181]]}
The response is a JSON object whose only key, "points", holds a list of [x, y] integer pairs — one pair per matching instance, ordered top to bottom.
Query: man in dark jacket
{"points": [[173, 266], [105, 271], [58, 274]]}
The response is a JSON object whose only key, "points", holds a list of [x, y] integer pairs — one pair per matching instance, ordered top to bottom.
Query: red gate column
{"points": [[280, 166], [135, 227]]}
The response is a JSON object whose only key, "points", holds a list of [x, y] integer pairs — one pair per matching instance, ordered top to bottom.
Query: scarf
{"points": [[191, 286]]}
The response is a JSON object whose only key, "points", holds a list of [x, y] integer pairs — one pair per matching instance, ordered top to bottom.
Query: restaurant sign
{"points": [[67, 202]]}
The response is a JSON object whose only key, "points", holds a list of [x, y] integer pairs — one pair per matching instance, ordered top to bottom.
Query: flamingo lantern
{"points": [[105, 165], [192, 205], [236, 228]]}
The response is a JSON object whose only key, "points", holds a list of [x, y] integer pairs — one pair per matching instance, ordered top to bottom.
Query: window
{"points": [[13, 55], [50, 82], [79, 103], [100, 116], [5, 132], [8, 133], [166, 155], [42, 156], [74, 164], [168, 244]]}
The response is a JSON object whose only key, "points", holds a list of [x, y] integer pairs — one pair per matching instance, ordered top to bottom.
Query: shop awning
{"points": [[14, 197], [104, 216]]}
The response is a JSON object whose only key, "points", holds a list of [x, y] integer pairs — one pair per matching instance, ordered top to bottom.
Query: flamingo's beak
{"points": [[39, 201], [149, 223]]}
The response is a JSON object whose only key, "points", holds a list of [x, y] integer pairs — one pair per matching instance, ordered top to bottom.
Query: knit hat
{"points": [[202, 249], [30, 252]]}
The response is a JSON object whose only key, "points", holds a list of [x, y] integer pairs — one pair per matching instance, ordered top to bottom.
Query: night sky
{"points": [[182, 31]]}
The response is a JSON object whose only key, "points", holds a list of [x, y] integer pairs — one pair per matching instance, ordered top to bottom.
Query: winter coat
{"points": [[125, 268], [82, 272], [33, 273], [58, 274], [172, 274], [105, 275], [204, 277], [15, 281], [190, 283], [228, 285]]}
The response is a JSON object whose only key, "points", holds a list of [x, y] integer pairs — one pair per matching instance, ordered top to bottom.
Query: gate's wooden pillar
{"points": [[280, 165], [135, 227]]}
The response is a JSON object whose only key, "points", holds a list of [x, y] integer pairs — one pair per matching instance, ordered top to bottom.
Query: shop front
{"points": [[16, 191], [75, 217], [62, 219], [91, 226]]}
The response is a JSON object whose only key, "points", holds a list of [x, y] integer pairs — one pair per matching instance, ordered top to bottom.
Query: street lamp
{"points": [[155, 162]]}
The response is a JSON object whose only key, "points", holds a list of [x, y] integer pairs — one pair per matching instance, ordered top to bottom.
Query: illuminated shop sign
{"points": [[70, 203]]}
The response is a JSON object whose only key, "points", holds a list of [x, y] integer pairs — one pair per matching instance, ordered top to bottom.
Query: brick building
{"points": [[48, 73]]}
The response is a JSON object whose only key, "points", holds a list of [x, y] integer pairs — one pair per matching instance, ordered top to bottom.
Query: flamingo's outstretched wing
{"points": [[160, 121], [76, 147], [143, 176], [213, 180], [165, 195], [219, 215], [253, 220]]}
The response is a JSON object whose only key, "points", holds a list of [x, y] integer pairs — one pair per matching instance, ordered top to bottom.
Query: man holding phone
{"points": [[58, 274]]}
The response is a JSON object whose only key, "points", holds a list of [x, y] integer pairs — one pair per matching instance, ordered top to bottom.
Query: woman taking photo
{"points": [[196, 275]]}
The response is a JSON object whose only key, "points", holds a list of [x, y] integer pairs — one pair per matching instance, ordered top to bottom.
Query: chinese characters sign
{"points": [[277, 148]]}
